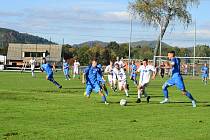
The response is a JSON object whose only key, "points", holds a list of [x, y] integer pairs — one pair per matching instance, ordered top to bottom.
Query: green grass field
{"points": [[33, 108]]}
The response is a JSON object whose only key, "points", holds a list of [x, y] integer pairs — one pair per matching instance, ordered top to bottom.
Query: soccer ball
{"points": [[123, 102]]}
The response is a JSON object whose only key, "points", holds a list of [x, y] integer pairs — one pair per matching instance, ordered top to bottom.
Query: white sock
{"points": [[126, 92], [139, 94]]}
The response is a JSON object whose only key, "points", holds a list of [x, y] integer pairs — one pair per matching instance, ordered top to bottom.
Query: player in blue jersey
{"points": [[66, 70], [49, 71], [205, 71], [133, 72], [93, 77], [176, 79]]}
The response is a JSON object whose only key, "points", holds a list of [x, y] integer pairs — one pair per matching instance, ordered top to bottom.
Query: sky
{"points": [[77, 21]]}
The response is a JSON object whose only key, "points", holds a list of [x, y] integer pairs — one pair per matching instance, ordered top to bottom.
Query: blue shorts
{"points": [[204, 75], [50, 76], [133, 76], [176, 80], [89, 88]]}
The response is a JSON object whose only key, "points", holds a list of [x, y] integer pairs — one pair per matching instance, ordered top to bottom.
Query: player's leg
{"points": [[32, 73], [51, 79], [180, 85], [125, 86], [165, 86], [104, 88], [97, 89], [88, 90], [140, 91]]}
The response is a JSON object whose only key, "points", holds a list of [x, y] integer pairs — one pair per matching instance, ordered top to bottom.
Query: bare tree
{"points": [[161, 13]]}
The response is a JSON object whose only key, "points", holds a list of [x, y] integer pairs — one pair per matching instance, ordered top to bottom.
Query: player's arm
{"points": [[154, 72], [84, 75]]}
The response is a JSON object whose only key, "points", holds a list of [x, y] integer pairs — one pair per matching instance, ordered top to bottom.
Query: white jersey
{"points": [[32, 63], [121, 64], [76, 67], [109, 70], [145, 73], [120, 74]]}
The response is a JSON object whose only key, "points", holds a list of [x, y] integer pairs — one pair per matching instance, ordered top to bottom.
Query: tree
{"points": [[161, 13]]}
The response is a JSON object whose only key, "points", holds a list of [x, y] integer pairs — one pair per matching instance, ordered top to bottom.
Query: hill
{"points": [[12, 36], [142, 43]]}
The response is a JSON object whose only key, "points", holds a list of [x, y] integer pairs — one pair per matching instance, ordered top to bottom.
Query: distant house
{"points": [[17, 54]]}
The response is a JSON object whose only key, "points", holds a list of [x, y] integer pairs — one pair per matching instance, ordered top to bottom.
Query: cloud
{"points": [[10, 14]]}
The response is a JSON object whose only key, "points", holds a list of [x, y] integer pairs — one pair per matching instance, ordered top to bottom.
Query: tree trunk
{"points": [[163, 30]]}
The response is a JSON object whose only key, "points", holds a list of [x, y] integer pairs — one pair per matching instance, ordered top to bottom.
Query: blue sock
{"points": [[106, 92], [165, 92], [189, 96], [103, 98]]}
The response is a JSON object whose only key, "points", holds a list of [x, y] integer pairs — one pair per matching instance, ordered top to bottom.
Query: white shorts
{"points": [[110, 78], [121, 84]]}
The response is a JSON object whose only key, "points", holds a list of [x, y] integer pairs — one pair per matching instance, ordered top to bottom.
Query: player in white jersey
{"points": [[120, 62], [32, 63], [76, 68], [109, 71], [145, 73], [120, 76]]}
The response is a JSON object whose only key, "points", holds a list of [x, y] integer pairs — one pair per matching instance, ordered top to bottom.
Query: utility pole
{"points": [[130, 41]]}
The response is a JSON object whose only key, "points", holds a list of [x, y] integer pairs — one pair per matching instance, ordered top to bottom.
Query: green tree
{"points": [[162, 13]]}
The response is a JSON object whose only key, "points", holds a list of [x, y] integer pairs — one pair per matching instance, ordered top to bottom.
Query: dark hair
{"points": [[173, 52], [94, 59], [145, 59], [44, 61]]}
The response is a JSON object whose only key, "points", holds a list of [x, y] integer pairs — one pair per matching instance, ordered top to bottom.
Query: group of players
{"points": [[94, 80]]}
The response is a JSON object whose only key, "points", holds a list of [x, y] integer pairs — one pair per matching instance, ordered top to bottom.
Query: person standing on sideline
{"points": [[32, 63], [76, 69]]}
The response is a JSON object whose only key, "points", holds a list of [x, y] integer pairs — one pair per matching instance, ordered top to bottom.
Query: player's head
{"points": [[171, 54], [117, 58], [44, 61], [94, 62], [133, 62], [145, 62], [205, 64], [117, 66]]}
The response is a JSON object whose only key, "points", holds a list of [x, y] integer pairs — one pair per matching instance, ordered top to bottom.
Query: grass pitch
{"points": [[33, 108]]}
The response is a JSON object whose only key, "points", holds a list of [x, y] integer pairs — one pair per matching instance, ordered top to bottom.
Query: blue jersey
{"points": [[65, 66], [176, 66], [47, 68], [133, 68], [205, 70], [93, 75]]}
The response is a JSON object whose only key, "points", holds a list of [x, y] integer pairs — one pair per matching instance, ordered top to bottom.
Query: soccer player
{"points": [[32, 63], [76, 68], [66, 70], [49, 71], [109, 71], [205, 71], [133, 72], [145, 72], [92, 74], [120, 76], [176, 79]]}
